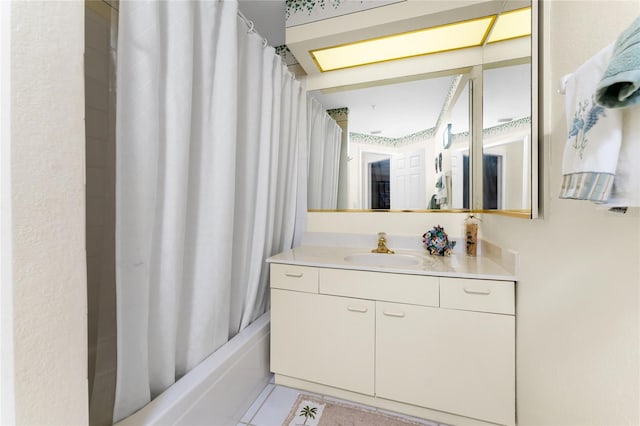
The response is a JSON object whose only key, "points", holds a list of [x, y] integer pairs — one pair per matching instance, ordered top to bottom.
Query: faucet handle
{"points": [[382, 244]]}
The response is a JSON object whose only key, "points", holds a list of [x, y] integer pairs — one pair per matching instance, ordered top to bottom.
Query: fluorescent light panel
{"points": [[514, 24], [459, 35], [405, 45]]}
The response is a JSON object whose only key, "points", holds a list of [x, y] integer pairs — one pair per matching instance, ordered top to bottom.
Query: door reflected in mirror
{"points": [[506, 137]]}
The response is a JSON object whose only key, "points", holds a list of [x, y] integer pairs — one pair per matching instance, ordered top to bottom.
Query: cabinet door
{"points": [[323, 339], [450, 360]]}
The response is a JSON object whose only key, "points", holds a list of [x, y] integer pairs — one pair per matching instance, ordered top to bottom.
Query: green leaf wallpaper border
{"points": [[297, 6], [286, 55], [339, 114], [426, 134], [393, 142]]}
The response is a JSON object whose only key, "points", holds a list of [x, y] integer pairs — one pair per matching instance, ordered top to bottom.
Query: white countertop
{"points": [[457, 265]]}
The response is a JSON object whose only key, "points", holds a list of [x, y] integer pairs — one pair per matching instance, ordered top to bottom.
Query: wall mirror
{"points": [[459, 137], [506, 137], [407, 141]]}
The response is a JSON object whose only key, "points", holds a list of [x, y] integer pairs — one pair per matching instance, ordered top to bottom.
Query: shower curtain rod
{"points": [[249, 23]]}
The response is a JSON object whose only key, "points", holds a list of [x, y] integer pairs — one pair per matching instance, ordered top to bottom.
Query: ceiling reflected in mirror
{"points": [[391, 110]]}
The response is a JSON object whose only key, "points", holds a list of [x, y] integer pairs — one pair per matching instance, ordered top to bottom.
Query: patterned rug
{"points": [[312, 411]]}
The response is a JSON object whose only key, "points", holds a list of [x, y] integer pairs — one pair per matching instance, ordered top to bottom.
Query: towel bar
{"points": [[563, 84]]}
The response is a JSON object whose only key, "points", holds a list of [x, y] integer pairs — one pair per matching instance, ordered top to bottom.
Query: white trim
{"points": [[539, 73], [7, 398]]}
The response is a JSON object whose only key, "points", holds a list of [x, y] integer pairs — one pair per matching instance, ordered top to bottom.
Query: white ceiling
{"points": [[268, 18], [506, 94], [395, 110]]}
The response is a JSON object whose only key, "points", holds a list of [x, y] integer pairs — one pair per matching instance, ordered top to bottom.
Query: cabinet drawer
{"points": [[294, 277], [412, 289], [477, 295]]}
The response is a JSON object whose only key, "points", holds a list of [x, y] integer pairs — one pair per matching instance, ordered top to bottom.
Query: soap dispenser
{"points": [[471, 234]]}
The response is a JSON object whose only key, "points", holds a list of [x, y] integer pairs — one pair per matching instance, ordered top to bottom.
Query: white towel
{"points": [[594, 135], [626, 186]]}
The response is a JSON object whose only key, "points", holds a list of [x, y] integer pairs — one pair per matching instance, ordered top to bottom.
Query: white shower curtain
{"points": [[208, 124], [324, 139]]}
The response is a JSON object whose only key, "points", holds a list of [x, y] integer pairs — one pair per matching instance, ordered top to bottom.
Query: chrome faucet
{"points": [[382, 244]]}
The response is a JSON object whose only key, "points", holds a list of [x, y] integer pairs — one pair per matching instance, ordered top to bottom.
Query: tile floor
{"points": [[273, 404]]}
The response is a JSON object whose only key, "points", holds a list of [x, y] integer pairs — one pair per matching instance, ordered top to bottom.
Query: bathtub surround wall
{"points": [[208, 126], [45, 186], [578, 351]]}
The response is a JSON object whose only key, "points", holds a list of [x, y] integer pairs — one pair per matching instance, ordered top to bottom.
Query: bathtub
{"points": [[220, 389]]}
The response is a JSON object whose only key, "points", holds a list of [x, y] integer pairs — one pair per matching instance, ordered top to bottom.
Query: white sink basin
{"points": [[383, 259]]}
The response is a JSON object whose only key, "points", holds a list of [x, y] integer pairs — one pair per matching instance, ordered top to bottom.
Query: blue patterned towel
{"points": [[620, 84], [594, 135]]}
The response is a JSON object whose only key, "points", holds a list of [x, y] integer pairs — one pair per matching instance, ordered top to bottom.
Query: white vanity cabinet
{"points": [[321, 338], [444, 344], [456, 361]]}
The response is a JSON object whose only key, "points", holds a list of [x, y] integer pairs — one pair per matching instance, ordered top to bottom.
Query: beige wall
{"points": [[47, 195], [392, 223], [6, 289], [578, 297], [578, 302]]}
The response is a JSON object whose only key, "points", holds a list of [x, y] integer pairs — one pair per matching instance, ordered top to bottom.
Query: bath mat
{"points": [[322, 412]]}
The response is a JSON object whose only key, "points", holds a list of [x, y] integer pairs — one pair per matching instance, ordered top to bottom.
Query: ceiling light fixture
{"points": [[509, 25], [458, 35], [442, 38]]}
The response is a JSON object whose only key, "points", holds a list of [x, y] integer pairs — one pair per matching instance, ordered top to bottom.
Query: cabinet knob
{"points": [[291, 275], [356, 309]]}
